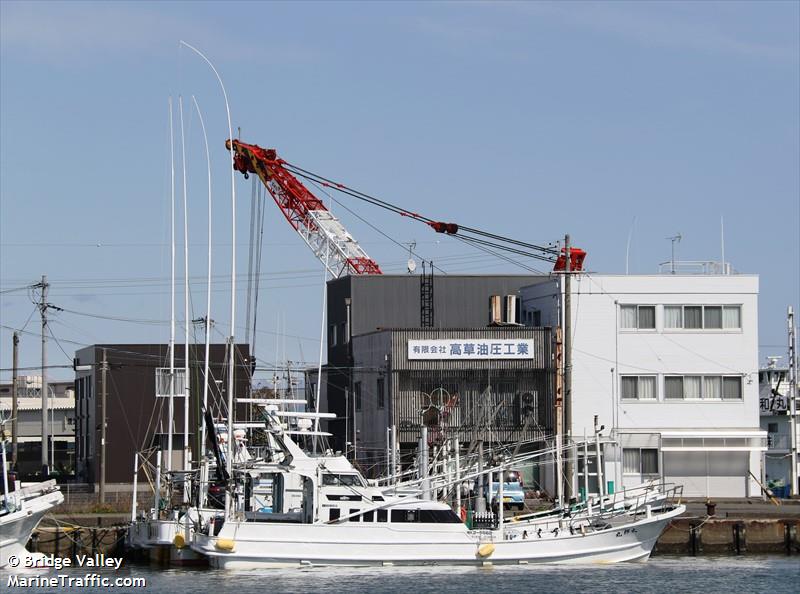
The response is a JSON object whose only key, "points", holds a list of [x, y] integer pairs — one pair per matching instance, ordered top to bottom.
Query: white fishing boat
{"points": [[341, 520]]}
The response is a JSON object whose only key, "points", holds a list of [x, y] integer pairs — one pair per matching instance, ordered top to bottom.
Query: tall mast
{"points": [[208, 288], [172, 294], [186, 320], [231, 338]]}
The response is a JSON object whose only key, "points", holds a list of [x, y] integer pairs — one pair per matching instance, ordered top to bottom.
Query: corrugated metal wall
{"points": [[503, 400]]}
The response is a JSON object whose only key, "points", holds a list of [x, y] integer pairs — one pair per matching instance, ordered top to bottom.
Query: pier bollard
{"points": [[738, 533], [790, 537], [694, 539]]}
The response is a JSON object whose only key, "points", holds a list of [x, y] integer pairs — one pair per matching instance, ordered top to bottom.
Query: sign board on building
{"points": [[471, 349], [771, 404]]}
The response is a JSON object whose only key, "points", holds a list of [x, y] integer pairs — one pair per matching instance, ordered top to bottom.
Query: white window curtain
{"points": [[628, 316], [673, 316], [732, 316], [691, 386], [712, 387], [647, 388], [630, 461]]}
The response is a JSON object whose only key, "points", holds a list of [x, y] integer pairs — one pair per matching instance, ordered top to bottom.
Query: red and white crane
{"points": [[314, 223], [333, 244]]}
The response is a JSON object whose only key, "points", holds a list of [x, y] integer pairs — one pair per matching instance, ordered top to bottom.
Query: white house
{"points": [[669, 364]]}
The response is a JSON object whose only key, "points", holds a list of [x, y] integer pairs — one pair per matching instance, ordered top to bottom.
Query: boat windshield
{"points": [[342, 480]]}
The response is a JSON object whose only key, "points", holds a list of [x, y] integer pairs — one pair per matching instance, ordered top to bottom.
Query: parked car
{"points": [[513, 492]]}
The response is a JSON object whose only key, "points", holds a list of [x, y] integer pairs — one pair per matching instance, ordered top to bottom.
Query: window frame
{"points": [[703, 325], [638, 327], [638, 378], [703, 389], [640, 471]]}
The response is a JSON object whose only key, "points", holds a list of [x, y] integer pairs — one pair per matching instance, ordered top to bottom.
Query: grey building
{"points": [[361, 305], [466, 384]]}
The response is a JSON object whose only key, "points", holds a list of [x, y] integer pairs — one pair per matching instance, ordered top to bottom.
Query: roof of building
{"points": [[36, 403]]}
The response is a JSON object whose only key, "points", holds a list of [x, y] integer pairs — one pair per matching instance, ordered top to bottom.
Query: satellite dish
{"points": [[412, 265]]}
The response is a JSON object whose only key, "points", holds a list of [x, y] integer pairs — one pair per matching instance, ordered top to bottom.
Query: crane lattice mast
{"points": [[331, 243]]}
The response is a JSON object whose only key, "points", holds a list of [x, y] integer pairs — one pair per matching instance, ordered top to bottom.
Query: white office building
{"points": [[669, 364]]}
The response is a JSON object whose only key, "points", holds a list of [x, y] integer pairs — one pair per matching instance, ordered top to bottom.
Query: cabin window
{"points": [[342, 480], [334, 514], [382, 515], [404, 515], [369, 516], [438, 516], [354, 517]]}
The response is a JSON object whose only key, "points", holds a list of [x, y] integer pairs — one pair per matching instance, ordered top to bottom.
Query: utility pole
{"points": [[793, 397], [103, 398], [14, 403], [559, 417], [45, 428], [568, 471]]}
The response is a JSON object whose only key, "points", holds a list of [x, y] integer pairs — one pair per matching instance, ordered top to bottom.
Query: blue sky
{"points": [[528, 119]]}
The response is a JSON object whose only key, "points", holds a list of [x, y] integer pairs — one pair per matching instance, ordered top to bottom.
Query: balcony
{"points": [[779, 441]]}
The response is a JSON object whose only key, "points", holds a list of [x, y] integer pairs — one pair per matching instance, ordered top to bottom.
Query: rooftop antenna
{"points": [[674, 239], [722, 240], [628, 245], [412, 264]]}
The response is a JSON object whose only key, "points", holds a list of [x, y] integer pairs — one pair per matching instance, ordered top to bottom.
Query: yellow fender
{"points": [[179, 541], [225, 544], [485, 550]]}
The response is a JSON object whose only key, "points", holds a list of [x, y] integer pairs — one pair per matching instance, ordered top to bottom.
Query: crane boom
{"points": [[331, 243]]}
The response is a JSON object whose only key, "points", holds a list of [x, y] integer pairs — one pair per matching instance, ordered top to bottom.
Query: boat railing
{"points": [[14, 500]]}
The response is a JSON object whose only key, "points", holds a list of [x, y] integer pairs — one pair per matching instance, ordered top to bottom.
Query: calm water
{"points": [[677, 575]]}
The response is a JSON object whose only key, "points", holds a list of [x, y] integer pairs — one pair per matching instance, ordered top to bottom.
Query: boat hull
{"points": [[16, 528], [242, 545]]}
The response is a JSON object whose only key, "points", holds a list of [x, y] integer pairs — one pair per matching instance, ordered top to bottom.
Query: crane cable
{"points": [[552, 251]]}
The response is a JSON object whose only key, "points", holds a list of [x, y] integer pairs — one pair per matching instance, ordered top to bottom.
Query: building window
{"points": [[638, 317], [703, 317], [332, 335], [163, 383], [638, 387], [708, 387], [732, 388], [381, 392], [357, 394], [772, 427], [640, 461]]}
